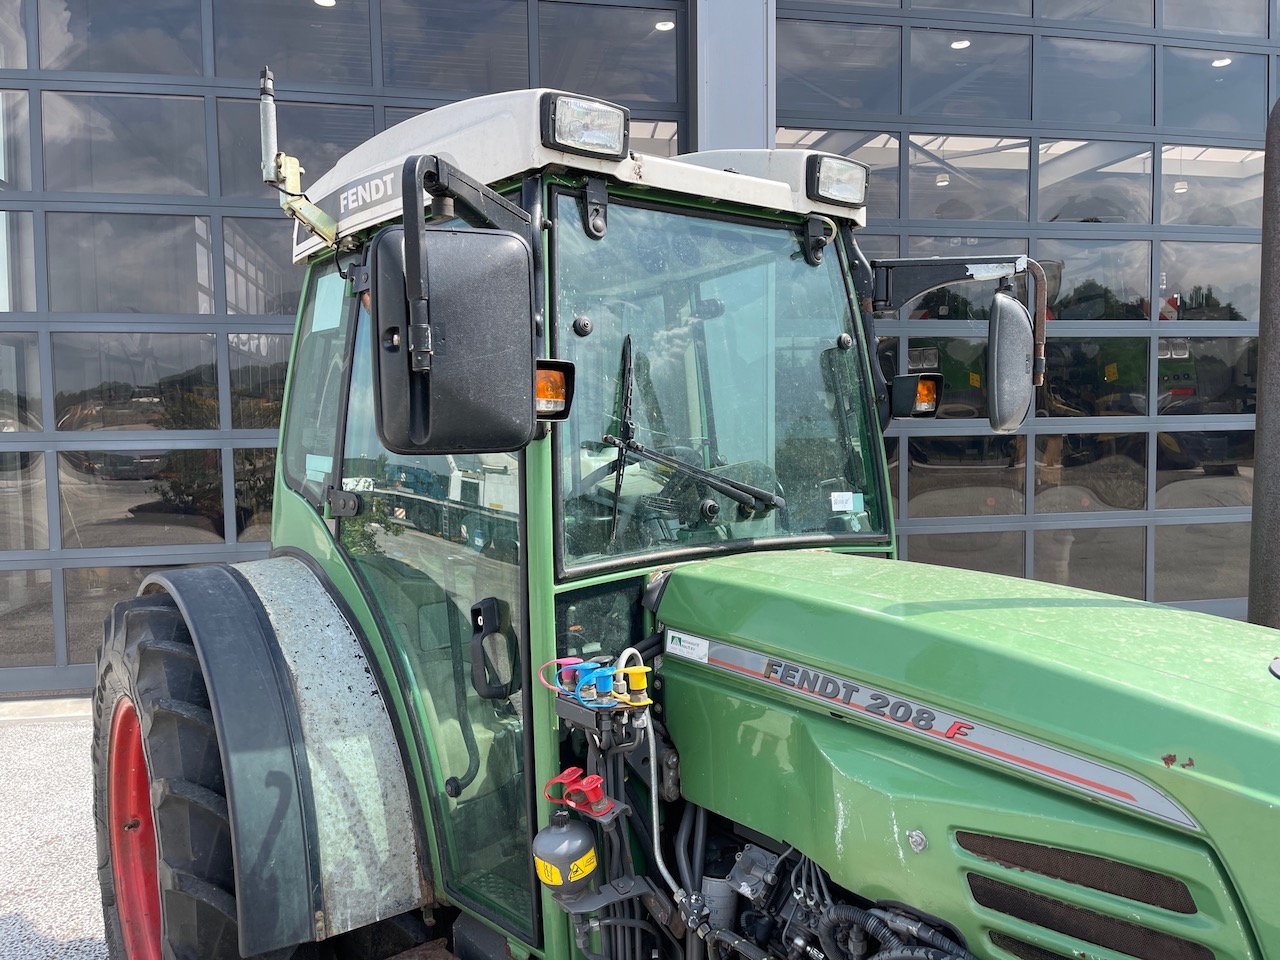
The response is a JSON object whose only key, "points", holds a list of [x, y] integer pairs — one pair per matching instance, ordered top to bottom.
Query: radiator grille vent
{"points": [[1097, 873], [1109, 932], [1022, 949]]}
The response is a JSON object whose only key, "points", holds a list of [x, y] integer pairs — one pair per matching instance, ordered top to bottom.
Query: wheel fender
{"points": [[322, 824]]}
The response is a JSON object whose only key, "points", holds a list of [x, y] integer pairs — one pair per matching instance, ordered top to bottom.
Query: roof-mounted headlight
{"points": [[578, 125], [837, 180]]}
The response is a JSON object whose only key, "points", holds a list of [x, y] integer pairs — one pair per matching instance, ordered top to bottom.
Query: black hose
{"points": [[699, 846], [682, 848], [843, 915], [644, 925], [735, 942], [913, 953]]}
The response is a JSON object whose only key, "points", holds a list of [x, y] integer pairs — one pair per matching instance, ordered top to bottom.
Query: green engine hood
{"points": [[1164, 723]]}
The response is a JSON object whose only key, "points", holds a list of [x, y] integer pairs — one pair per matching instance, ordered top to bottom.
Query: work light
{"points": [[579, 125], [837, 180]]}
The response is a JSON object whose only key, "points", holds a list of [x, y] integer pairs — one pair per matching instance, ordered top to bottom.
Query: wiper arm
{"points": [[628, 428], [754, 499]]}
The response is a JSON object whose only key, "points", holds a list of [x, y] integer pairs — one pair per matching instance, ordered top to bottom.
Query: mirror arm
{"points": [[900, 281], [1040, 317]]}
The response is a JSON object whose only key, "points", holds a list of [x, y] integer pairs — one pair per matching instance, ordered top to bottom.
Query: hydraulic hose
{"points": [[654, 774], [682, 848], [843, 915], [926, 934], [737, 943], [913, 953]]}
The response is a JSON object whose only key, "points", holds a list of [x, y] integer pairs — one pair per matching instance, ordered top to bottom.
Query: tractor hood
{"points": [[1164, 720]]}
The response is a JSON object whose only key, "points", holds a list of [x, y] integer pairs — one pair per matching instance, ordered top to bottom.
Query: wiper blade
{"points": [[628, 428], [754, 499]]}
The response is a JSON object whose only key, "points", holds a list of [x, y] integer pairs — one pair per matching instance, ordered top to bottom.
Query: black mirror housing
{"points": [[1010, 351], [478, 394]]}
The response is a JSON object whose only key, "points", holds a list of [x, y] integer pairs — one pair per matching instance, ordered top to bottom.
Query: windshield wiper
{"points": [[627, 427], [753, 499]]}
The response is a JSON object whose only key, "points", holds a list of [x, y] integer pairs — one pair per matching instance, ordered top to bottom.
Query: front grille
{"points": [[1097, 873], [1072, 921], [1022, 949]]}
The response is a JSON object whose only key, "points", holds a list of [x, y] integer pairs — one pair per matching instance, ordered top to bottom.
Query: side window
{"points": [[309, 440]]}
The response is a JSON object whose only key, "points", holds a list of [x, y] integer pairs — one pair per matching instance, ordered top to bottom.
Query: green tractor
{"points": [[670, 695]]}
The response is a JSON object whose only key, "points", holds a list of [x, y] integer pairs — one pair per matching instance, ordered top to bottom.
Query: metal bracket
{"points": [[597, 219], [816, 236], [343, 503]]}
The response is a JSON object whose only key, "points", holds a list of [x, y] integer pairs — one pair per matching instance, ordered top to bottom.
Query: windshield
{"points": [[718, 392]]}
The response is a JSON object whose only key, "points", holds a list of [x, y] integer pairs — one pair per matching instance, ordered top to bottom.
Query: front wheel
{"points": [[164, 838]]}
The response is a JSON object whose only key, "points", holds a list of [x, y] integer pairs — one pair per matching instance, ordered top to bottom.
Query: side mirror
{"points": [[1010, 348], [470, 387]]}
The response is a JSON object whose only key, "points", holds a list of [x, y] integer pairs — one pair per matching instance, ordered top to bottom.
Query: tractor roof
{"points": [[499, 137]]}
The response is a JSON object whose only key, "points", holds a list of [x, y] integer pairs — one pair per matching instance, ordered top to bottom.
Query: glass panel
{"points": [[1008, 8], [1139, 13], [1246, 18], [123, 36], [13, 39], [303, 42], [455, 50], [617, 53], [965, 73], [859, 75], [1095, 82], [1213, 90], [396, 115], [321, 134], [658, 138], [15, 139], [108, 143], [878, 150], [969, 178], [1091, 181], [1211, 186], [878, 248], [257, 259], [17, 262], [129, 263], [1097, 279], [1209, 281], [964, 301], [962, 361], [258, 365], [1207, 375], [1095, 378], [135, 381], [19, 382], [891, 448], [255, 471], [1201, 471], [1084, 472], [981, 476], [137, 498], [24, 521], [991, 551], [1106, 559], [1202, 561], [91, 591], [26, 605]]}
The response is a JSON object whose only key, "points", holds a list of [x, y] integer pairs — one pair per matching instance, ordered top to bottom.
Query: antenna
{"points": [[284, 172]]}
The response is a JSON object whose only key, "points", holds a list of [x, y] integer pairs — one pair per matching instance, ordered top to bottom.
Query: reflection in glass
{"points": [[1008, 8], [1139, 13], [1246, 18], [124, 36], [13, 40], [303, 42], [455, 50], [610, 52], [860, 69], [966, 73], [1095, 82], [1212, 90], [396, 115], [320, 133], [15, 138], [658, 138], [109, 143], [879, 151], [969, 178], [1090, 181], [1211, 186], [877, 248], [257, 258], [17, 262], [129, 263], [1097, 279], [1209, 281], [965, 301], [258, 362], [962, 362], [1207, 375], [1095, 378], [135, 381], [19, 382], [1202, 470], [255, 471], [1086, 472], [980, 476], [139, 498], [24, 519], [995, 551], [1105, 559], [1202, 561], [90, 591], [26, 607]]}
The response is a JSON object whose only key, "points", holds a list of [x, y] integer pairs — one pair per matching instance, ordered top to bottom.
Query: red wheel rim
{"points": [[133, 837]]}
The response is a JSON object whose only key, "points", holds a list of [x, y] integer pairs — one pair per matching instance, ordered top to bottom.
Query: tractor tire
{"points": [[164, 838]]}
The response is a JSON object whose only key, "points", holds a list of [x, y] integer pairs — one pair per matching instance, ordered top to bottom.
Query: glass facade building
{"points": [[147, 295]]}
